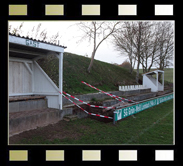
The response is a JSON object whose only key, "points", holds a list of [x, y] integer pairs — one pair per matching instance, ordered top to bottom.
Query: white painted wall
{"points": [[20, 79], [26, 79], [30, 80], [149, 84], [43, 85]]}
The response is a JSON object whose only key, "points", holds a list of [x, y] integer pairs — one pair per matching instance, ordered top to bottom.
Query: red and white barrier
{"points": [[113, 96], [95, 106], [102, 116]]}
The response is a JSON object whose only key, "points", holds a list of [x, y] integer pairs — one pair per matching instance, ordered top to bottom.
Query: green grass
{"points": [[103, 75], [151, 126]]}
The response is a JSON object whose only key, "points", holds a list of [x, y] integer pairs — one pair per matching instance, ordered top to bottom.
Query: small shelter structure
{"points": [[26, 77], [153, 83]]}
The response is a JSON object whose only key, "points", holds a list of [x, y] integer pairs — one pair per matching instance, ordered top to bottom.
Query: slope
{"points": [[103, 75]]}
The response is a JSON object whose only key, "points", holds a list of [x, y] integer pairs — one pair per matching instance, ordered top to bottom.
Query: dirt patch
{"points": [[95, 111]]}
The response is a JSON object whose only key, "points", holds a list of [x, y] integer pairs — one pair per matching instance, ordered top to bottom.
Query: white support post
{"points": [[28, 68], [32, 77], [60, 78], [157, 80], [163, 80]]}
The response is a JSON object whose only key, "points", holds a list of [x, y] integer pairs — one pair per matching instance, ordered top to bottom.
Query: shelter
{"points": [[26, 77], [153, 83]]}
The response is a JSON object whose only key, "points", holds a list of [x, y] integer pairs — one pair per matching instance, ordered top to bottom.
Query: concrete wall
{"points": [[150, 83], [101, 96], [135, 98], [28, 105], [33, 119]]}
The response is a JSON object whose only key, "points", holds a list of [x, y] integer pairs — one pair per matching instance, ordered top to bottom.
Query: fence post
{"points": [[114, 119]]}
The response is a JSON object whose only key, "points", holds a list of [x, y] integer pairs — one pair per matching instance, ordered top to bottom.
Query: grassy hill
{"points": [[103, 75]]}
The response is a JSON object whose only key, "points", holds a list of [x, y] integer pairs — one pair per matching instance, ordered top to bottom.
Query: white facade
{"points": [[26, 77], [152, 82], [131, 87]]}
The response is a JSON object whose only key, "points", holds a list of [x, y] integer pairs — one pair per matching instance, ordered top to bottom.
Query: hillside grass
{"points": [[103, 75]]}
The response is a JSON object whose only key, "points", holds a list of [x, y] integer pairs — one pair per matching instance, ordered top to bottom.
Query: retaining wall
{"points": [[101, 96], [27, 105], [82, 114], [27, 120]]}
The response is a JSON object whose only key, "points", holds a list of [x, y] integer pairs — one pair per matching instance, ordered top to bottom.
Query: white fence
{"points": [[131, 87]]}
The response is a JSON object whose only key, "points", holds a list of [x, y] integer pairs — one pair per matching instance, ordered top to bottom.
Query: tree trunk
{"points": [[138, 50], [91, 62], [137, 75]]}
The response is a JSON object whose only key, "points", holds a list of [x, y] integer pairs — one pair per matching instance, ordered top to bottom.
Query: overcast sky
{"points": [[70, 35]]}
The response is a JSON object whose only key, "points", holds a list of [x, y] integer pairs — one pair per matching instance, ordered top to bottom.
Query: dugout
{"points": [[26, 77]]}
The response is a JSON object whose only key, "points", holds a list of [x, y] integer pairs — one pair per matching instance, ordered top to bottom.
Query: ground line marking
{"points": [[146, 129]]}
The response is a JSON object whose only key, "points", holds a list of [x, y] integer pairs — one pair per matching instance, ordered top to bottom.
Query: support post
{"points": [[32, 77], [60, 78], [157, 80], [163, 80], [114, 118]]}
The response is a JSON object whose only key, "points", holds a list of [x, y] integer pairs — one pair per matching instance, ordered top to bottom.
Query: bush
{"points": [[126, 65]]}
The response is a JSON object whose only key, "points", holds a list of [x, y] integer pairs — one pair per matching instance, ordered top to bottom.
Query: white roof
{"points": [[153, 72]]}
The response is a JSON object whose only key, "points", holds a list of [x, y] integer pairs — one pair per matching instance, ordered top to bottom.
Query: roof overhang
{"points": [[31, 49], [153, 72]]}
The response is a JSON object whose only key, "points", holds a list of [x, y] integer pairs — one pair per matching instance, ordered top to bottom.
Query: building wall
{"points": [[20, 79], [149, 83]]}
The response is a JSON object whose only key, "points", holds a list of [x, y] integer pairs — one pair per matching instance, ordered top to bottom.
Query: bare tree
{"points": [[140, 29], [16, 30], [96, 32], [35, 33], [131, 40], [123, 42], [147, 43], [166, 44], [150, 47]]}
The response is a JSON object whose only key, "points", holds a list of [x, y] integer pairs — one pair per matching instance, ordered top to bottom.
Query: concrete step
{"points": [[27, 103], [70, 117], [27, 120]]}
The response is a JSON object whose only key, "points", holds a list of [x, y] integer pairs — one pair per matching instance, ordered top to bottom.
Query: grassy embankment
{"points": [[103, 75]]}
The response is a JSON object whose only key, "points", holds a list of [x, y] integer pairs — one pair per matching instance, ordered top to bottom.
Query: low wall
{"points": [[101, 96], [135, 98], [27, 105], [82, 114]]}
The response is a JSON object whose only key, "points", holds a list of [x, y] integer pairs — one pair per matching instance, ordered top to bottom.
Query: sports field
{"points": [[151, 126]]}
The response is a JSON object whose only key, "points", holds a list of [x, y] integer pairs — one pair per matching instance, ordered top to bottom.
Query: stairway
{"points": [[30, 112]]}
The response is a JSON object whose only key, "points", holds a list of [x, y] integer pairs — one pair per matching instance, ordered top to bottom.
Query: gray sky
{"points": [[70, 35]]}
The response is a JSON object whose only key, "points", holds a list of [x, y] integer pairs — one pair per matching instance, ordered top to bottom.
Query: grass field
{"points": [[151, 126]]}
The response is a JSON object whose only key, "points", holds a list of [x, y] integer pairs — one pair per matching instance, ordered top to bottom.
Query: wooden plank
{"points": [[20, 80], [27, 81], [22, 98]]}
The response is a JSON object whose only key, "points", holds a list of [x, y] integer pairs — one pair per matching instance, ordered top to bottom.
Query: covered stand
{"points": [[26, 77], [153, 83]]}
